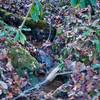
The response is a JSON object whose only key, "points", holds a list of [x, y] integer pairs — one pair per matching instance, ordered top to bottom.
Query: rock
{"points": [[44, 58], [21, 60]]}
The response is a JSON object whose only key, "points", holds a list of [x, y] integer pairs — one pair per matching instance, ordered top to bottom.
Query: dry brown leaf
{"points": [[9, 65]]}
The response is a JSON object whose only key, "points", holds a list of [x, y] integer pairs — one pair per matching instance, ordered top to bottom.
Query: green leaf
{"points": [[74, 2], [93, 2], [83, 3], [36, 11], [12, 32], [98, 32], [86, 33], [2, 34], [16, 38], [22, 38], [97, 43], [98, 47], [61, 66], [96, 66]]}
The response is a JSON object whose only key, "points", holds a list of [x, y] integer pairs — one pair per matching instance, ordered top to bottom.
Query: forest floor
{"points": [[68, 66]]}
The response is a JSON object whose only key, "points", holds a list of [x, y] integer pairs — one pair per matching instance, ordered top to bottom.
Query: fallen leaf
{"points": [[9, 65]]}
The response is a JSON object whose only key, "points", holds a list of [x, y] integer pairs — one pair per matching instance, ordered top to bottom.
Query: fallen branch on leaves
{"points": [[53, 74]]}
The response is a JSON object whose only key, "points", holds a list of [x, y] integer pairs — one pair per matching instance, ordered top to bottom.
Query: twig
{"points": [[21, 26], [64, 73], [49, 78], [24, 93]]}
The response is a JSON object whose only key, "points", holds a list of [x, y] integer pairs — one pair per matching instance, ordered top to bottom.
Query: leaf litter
{"points": [[74, 47]]}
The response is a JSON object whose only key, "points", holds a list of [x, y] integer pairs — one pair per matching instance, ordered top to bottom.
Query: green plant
{"points": [[83, 3], [35, 10], [11, 33]]}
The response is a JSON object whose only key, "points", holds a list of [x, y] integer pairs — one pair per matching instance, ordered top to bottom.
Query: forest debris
{"points": [[12, 20], [78, 34], [3, 54], [45, 59], [9, 65], [4, 85], [78, 88], [9, 95]]}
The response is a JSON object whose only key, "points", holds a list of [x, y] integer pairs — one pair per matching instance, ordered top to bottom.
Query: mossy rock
{"points": [[21, 59]]}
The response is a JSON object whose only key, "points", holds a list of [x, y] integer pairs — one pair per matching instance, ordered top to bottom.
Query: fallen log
{"points": [[16, 20], [40, 30]]}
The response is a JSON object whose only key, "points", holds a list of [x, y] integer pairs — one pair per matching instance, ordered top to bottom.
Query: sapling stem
{"points": [[21, 26]]}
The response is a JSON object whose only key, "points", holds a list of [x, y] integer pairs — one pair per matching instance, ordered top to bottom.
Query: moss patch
{"points": [[22, 60]]}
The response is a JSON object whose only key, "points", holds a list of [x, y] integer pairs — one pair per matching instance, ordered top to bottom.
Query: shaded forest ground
{"points": [[74, 51]]}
